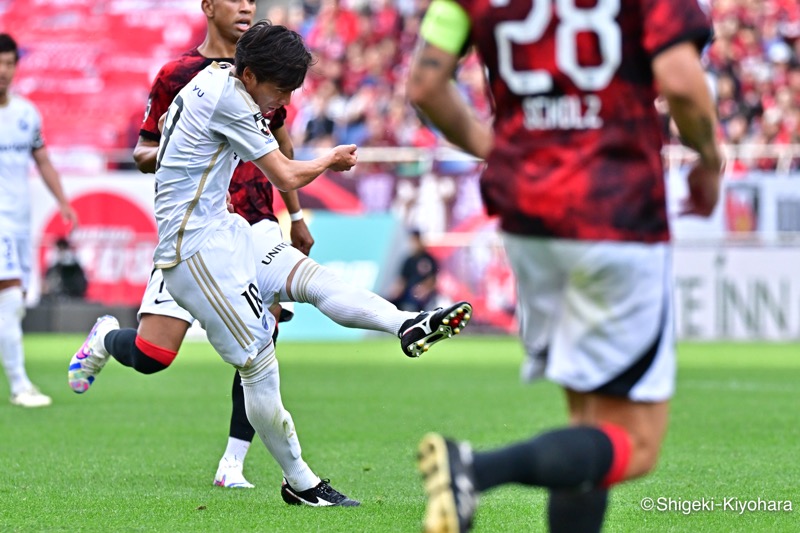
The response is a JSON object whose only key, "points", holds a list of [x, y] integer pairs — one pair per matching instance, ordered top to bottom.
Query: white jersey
{"points": [[211, 124], [20, 135]]}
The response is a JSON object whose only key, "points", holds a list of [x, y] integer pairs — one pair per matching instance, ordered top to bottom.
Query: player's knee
{"points": [[312, 282], [275, 310], [163, 331], [150, 358], [263, 368], [634, 452], [644, 456], [649, 461]]}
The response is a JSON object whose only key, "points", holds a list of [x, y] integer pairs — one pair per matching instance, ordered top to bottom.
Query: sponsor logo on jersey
{"points": [[263, 124], [19, 147], [269, 256]]}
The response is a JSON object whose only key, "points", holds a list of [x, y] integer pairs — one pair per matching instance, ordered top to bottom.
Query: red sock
{"points": [[162, 355], [621, 443]]}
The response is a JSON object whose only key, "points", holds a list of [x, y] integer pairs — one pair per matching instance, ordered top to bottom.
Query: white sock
{"points": [[345, 304], [12, 309], [273, 423], [236, 450]]}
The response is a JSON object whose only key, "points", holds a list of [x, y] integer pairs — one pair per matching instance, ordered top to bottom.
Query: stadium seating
{"points": [[88, 65]]}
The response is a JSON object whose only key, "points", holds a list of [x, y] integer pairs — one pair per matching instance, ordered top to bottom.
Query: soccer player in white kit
{"points": [[20, 139], [206, 254], [283, 272]]}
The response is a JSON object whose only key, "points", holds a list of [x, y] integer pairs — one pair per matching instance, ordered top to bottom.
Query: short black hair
{"points": [[8, 44], [274, 54]]}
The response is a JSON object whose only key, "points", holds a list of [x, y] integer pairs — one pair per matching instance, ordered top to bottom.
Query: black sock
{"points": [[121, 344], [240, 426], [570, 458], [570, 511]]}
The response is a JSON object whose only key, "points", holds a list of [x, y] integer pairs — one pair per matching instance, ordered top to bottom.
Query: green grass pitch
{"points": [[138, 453]]}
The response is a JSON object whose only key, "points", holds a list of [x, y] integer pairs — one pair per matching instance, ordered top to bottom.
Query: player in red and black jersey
{"points": [[574, 172], [160, 334]]}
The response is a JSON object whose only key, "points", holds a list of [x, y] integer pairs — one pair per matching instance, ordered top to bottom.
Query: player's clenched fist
{"points": [[343, 157], [704, 185]]}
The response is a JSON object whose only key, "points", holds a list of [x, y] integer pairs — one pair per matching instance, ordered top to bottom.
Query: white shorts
{"points": [[15, 258], [276, 259], [273, 267], [218, 286], [158, 301], [600, 314]]}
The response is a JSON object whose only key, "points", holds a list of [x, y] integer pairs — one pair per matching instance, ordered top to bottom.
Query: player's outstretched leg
{"points": [[347, 305], [355, 307], [418, 334], [92, 356], [446, 467]]}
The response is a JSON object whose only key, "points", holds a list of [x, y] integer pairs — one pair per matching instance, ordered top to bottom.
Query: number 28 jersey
{"points": [[211, 125], [577, 151]]}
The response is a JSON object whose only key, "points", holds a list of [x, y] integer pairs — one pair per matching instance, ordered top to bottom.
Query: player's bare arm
{"points": [[682, 82], [431, 89], [145, 154], [288, 175], [53, 182], [299, 234]]}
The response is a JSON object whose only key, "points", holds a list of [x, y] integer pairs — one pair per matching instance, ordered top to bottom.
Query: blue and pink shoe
{"points": [[92, 357]]}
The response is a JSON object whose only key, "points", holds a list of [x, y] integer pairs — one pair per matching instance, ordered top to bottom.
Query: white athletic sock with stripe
{"points": [[345, 304], [12, 309], [273, 423], [236, 450]]}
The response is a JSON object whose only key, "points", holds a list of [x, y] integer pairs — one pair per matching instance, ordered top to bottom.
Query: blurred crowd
{"points": [[755, 63], [355, 92]]}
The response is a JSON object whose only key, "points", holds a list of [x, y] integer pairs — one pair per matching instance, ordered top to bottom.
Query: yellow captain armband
{"points": [[446, 25]]}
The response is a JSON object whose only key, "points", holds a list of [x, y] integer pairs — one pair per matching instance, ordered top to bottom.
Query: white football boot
{"points": [[92, 357], [31, 397], [230, 474]]}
